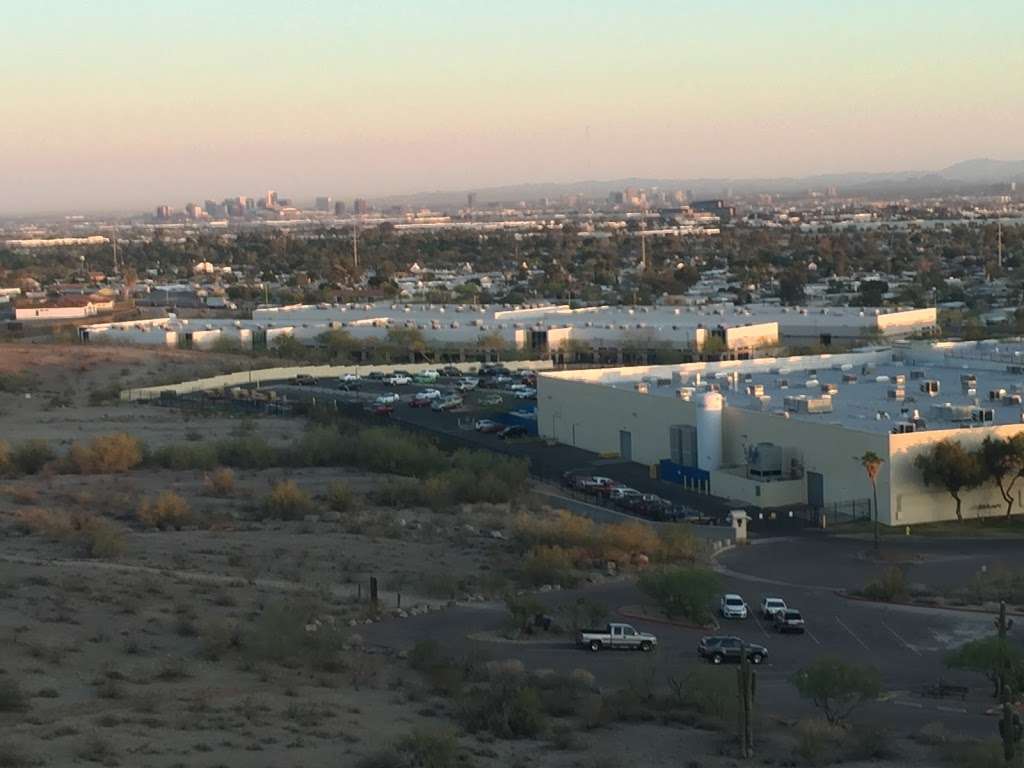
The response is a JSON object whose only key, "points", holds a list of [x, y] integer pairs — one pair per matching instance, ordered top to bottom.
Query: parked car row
{"points": [[621, 495], [783, 617]]}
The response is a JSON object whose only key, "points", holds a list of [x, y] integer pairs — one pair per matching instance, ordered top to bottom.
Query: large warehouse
{"points": [[541, 329], [773, 432]]}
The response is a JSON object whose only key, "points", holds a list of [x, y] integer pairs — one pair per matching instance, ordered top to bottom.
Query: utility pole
{"points": [[114, 242], [999, 244], [1003, 627], [746, 680], [1009, 727]]}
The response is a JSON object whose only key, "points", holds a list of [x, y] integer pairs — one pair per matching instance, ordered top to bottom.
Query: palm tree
{"points": [[872, 462]]}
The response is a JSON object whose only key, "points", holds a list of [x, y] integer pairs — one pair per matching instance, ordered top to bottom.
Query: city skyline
{"points": [[115, 108]]}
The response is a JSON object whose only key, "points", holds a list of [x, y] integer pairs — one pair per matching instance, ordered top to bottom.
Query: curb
{"points": [[961, 609], [627, 614]]}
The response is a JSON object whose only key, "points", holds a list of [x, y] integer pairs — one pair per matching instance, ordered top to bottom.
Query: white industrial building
{"points": [[542, 328], [777, 432]]}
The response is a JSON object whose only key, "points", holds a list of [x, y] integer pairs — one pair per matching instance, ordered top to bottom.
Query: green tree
{"points": [[337, 343], [288, 347], [1003, 461], [872, 462], [950, 466], [686, 592], [997, 658], [837, 688]]}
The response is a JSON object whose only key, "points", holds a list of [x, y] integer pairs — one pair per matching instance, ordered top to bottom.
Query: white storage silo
{"points": [[709, 430]]}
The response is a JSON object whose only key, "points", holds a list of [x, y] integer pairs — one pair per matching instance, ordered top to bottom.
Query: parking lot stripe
{"points": [[761, 626], [811, 635], [853, 635], [897, 635], [913, 704], [951, 709]]}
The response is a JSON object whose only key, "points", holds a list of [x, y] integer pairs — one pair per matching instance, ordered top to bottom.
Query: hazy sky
{"points": [[128, 104]]}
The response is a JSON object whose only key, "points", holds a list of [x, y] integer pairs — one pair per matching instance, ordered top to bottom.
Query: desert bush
{"points": [[18, 382], [320, 446], [249, 452], [106, 454], [31, 456], [185, 456], [5, 457], [219, 482], [400, 493], [24, 495], [339, 497], [287, 501], [168, 510], [44, 522], [564, 529], [94, 536], [99, 538], [624, 539], [677, 544], [549, 565], [891, 585], [686, 592], [522, 610], [582, 613], [293, 632], [217, 639], [425, 655], [836, 687], [709, 691], [12, 698], [507, 708], [932, 734], [817, 741], [868, 743], [96, 748], [436, 748], [974, 754], [13, 755], [384, 758]]}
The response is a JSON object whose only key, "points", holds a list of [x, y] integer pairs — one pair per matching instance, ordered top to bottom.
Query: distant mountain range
{"points": [[965, 176]]}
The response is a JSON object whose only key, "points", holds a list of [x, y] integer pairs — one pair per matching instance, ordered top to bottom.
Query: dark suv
{"points": [[721, 648]]}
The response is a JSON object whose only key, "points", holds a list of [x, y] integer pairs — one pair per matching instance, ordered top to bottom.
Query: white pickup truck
{"points": [[616, 636]]}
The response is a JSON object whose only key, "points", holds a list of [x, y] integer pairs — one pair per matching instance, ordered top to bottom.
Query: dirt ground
{"points": [[147, 658]]}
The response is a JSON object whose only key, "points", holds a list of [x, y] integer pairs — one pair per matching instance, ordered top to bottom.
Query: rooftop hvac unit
{"points": [[1016, 369], [916, 375], [849, 378], [882, 379], [900, 379], [782, 383], [811, 384], [641, 387], [930, 387], [829, 389], [755, 390], [896, 393], [685, 394], [996, 394], [1013, 399], [763, 402], [983, 414], [903, 427], [765, 459]]}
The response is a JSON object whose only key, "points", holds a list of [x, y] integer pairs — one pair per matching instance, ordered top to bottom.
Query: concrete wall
{"points": [[907, 321], [273, 375], [591, 416], [732, 484], [912, 502]]}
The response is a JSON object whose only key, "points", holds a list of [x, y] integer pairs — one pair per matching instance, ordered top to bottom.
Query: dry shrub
{"points": [[106, 454], [5, 456], [219, 482], [24, 495], [339, 497], [287, 501], [168, 510], [44, 522], [564, 529], [95, 536], [620, 540], [678, 544], [550, 565], [12, 698], [817, 741]]}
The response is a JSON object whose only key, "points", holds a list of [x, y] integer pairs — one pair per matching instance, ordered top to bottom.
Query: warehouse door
{"points": [[626, 445], [815, 490]]}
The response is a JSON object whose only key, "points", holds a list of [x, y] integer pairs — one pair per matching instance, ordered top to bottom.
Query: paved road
{"points": [[906, 644]]}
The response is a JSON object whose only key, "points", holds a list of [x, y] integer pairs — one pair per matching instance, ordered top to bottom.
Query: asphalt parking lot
{"points": [[906, 644]]}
